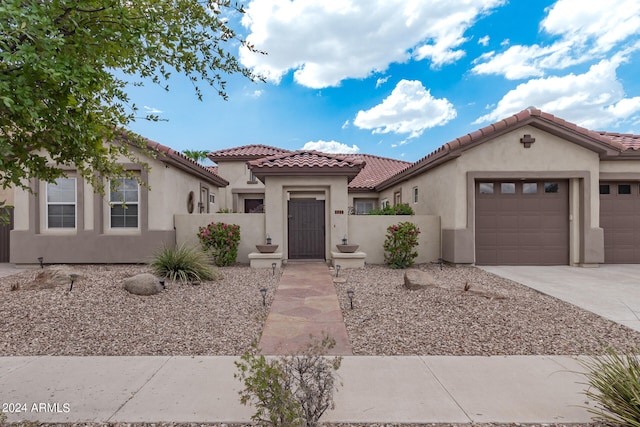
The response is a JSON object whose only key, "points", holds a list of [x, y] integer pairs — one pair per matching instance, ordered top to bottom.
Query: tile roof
{"points": [[630, 141], [607, 144], [245, 152], [172, 157], [179, 160], [306, 162], [375, 171]]}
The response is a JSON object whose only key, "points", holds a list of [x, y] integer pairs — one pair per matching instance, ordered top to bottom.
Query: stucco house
{"points": [[530, 189], [67, 222]]}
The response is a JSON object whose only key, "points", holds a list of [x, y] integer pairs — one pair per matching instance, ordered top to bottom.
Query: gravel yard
{"points": [[495, 317]]}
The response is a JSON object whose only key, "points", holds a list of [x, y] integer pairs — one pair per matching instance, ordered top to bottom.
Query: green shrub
{"points": [[401, 209], [225, 210], [221, 241], [399, 244], [183, 264], [614, 385], [292, 390]]}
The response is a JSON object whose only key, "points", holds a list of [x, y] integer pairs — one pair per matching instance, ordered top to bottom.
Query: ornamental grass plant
{"points": [[183, 264], [614, 385]]}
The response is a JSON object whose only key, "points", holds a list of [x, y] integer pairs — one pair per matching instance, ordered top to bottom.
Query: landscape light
{"points": [[268, 239], [41, 261], [273, 269], [337, 269], [73, 277], [162, 284], [263, 291], [350, 295]]}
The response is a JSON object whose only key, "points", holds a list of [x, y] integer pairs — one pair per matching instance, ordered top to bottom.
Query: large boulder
{"points": [[418, 279], [143, 284]]}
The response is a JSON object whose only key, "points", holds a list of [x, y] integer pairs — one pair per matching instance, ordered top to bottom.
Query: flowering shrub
{"points": [[221, 241], [399, 243]]}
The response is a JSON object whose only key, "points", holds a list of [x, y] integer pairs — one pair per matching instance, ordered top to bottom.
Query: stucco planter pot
{"points": [[349, 248], [266, 249]]}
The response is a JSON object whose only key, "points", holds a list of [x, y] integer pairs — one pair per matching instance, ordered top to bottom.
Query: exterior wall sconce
{"points": [[41, 261], [273, 269], [337, 269], [73, 277], [263, 291], [350, 295]]}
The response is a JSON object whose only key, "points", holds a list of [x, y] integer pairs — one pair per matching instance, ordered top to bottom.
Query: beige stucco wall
{"points": [[621, 166], [240, 185], [333, 190], [448, 191], [6, 195], [252, 230], [369, 231], [93, 241]]}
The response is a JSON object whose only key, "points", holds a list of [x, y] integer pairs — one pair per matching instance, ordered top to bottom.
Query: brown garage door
{"points": [[620, 220], [522, 222]]}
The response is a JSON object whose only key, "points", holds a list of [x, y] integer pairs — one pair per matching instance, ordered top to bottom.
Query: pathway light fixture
{"points": [[268, 239], [41, 261], [273, 269], [337, 269], [73, 277], [162, 284], [263, 291], [350, 295]]}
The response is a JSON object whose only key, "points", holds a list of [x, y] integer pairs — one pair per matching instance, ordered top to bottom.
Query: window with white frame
{"points": [[124, 200], [61, 203], [384, 203], [364, 206]]}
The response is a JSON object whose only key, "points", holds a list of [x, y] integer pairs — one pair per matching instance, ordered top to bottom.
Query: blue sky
{"points": [[399, 78]]}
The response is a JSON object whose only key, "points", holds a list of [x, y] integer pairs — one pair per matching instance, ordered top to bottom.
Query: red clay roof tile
{"points": [[245, 152]]}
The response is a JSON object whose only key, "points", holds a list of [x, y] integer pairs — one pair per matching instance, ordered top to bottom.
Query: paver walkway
{"points": [[305, 305]]}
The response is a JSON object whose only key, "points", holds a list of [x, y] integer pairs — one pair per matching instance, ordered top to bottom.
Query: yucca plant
{"points": [[184, 264], [614, 385]]}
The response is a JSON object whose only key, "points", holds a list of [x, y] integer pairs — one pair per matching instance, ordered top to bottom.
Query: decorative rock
{"points": [[418, 279], [143, 284]]}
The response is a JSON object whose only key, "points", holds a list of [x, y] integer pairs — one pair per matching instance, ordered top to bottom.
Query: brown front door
{"points": [[620, 220], [522, 222], [306, 229]]}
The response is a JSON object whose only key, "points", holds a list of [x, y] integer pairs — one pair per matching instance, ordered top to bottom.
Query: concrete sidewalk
{"points": [[411, 389]]}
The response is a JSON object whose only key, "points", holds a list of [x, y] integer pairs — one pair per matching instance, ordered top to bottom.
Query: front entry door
{"points": [[306, 229]]}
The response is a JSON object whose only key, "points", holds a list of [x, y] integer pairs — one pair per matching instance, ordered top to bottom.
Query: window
{"points": [[252, 177], [551, 187], [486, 188], [508, 188], [529, 188], [624, 188], [605, 189], [415, 194], [212, 198], [397, 198], [123, 200], [61, 203], [384, 203], [253, 205], [363, 207]]}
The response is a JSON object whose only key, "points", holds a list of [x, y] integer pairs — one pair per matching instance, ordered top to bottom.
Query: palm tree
{"points": [[197, 155]]}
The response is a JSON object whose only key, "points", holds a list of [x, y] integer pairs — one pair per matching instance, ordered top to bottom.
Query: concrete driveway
{"points": [[611, 291]]}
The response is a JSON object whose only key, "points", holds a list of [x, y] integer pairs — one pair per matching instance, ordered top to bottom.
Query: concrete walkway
{"points": [[611, 291], [305, 305], [412, 389]]}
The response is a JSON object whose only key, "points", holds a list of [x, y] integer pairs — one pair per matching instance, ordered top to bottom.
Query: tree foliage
{"points": [[65, 66], [197, 155]]}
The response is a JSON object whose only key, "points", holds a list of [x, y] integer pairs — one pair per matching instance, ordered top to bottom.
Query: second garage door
{"points": [[620, 220], [522, 222]]}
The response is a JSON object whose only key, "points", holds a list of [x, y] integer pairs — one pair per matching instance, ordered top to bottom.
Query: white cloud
{"points": [[585, 30], [329, 41], [483, 41], [381, 81], [257, 93], [594, 99], [409, 109], [151, 110], [346, 124], [331, 147]]}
